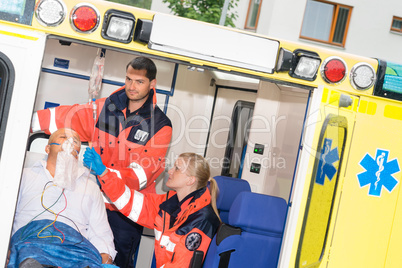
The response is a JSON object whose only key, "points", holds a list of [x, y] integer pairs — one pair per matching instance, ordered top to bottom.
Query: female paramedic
{"points": [[184, 220]]}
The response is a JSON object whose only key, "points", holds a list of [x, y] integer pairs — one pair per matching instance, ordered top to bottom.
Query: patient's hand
{"points": [[8, 257], [106, 258]]}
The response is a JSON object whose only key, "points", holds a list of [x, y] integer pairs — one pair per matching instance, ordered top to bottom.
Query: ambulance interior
{"points": [[246, 127]]}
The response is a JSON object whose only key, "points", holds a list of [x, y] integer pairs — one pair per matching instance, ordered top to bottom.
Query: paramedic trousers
{"points": [[127, 236]]}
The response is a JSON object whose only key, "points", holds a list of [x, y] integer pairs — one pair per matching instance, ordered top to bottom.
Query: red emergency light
{"points": [[84, 18], [334, 70]]}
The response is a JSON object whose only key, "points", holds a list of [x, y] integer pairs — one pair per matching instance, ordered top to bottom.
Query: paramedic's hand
{"points": [[93, 161]]}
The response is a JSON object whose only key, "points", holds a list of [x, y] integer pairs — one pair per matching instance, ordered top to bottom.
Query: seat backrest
{"points": [[32, 157], [229, 188], [257, 239]]}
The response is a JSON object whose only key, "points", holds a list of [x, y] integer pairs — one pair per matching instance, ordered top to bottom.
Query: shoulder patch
{"points": [[193, 241]]}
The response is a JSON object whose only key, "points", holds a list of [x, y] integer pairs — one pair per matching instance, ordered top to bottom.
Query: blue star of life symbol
{"points": [[326, 164], [378, 172]]}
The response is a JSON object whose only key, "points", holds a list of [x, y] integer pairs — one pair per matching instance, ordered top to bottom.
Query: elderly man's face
{"points": [[59, 137]]}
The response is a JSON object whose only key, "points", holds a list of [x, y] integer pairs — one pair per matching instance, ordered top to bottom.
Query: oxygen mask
{"points": [[66, 166]]}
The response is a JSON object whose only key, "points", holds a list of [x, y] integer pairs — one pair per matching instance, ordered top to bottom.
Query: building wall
{"points": [[159, 6], [368, 34]]}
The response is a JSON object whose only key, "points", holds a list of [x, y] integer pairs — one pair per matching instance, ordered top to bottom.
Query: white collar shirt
{"points": [[84, 205]]}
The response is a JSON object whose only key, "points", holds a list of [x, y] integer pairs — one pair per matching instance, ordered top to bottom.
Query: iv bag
{"points": [[95, 80]]}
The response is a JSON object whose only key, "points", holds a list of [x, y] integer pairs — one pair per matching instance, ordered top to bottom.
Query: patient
{"points": [[60, 218]]}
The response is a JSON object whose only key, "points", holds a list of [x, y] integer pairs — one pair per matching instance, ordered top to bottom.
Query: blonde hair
{"points": [[197, 166]]}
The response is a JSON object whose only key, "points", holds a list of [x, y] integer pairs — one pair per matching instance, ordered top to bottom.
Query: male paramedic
{"points": [[130, 133], [60, 218]]}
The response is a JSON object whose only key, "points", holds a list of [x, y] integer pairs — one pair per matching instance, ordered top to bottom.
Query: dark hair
{"points": [[143, 63]]}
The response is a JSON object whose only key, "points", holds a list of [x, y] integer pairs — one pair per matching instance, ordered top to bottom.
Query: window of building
{"points": [[253, 14], [326, 22], [396, 24]]}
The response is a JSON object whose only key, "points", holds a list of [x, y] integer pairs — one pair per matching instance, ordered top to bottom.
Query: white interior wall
{"points": [[65, 90], [190, 111], [277, 124], [261, 131], [285, 143]]}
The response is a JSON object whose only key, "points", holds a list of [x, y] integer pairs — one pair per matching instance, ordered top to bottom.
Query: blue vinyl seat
{"points": [[229, 188], [254, 234]]}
